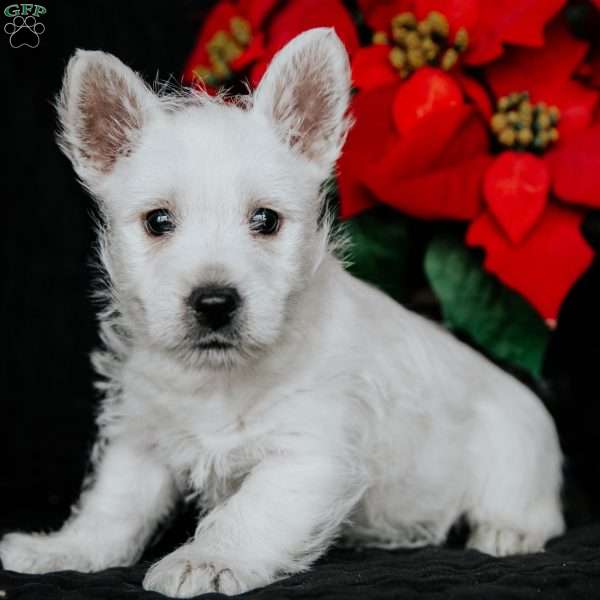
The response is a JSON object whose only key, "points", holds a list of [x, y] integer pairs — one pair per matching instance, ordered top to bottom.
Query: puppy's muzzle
{"points": [[214, 307]]}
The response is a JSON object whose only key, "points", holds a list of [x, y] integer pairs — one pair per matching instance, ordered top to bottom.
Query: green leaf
{"points": [[379, 251], [476, 304]]}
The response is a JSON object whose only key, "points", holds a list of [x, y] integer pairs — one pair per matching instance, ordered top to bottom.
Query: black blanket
{"points": [[570, 568]]}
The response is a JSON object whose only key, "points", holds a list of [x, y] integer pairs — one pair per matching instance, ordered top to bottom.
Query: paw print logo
{"points": [[24, 31]]}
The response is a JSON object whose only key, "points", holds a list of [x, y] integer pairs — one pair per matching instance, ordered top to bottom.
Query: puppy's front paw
{"points": [[499, 541], [38, 553], [182, 575]]}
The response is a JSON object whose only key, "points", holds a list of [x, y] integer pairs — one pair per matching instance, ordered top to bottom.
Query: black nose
{"points": [[215, 306]]}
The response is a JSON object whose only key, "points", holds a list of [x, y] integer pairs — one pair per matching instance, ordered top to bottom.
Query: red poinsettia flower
{"points": [[489, 25], [240, 37], [428, 157], [433, 169], [530, 229]]}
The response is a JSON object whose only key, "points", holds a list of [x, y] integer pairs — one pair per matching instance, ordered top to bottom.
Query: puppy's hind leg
{"points": [[514, 507], [110, 525]]}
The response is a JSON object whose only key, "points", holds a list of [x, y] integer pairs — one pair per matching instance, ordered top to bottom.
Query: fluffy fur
{"points": [[334, 411]]}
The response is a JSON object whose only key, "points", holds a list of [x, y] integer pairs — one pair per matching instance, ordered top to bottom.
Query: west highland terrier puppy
{"points": [[243, 364]]}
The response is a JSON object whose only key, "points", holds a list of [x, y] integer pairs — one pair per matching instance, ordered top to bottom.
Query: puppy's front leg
{"points": [[281, 519], [111, 523]]}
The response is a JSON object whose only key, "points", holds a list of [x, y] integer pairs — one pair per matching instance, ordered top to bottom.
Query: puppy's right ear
{"points": [[102, 108]]}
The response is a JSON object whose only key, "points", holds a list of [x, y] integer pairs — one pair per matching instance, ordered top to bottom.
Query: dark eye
{"points": [[264, 221], [158, 222]]}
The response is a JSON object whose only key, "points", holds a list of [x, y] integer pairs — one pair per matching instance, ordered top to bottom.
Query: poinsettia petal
{"points": [[256, 11], [379, 13], [459, 13], [296, 16], [217, 20], [525, 20], [519, 22], [485, 43], [250, 55], [371, 68], [541, 71], [428, 91], [475, 92], [577, 104], [367, 142], [428, 142], [436, 169], [576, 169], [516, 189], [445, 193], [544, 266]]}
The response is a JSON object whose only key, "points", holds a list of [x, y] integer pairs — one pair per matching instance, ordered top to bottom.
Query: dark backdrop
{"points": [[48, 326]]}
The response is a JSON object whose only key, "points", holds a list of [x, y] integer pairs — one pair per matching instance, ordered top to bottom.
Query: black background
{"points": [[48, 326]]}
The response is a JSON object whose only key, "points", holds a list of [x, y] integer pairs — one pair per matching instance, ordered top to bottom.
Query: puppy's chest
{"points": [[209, 455]]}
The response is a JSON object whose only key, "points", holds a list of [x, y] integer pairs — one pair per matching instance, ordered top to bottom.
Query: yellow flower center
{"points": [[419, 43], [223, 48], [521, 125]]}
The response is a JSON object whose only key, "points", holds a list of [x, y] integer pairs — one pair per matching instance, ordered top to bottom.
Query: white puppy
{"points": [[244, 365]]}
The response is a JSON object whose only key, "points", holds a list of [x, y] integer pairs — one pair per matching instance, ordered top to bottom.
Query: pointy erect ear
{"points": [[305, 93], [102, 108]]}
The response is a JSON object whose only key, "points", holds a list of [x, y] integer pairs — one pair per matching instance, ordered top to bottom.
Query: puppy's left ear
{"points": [[305, 93]]}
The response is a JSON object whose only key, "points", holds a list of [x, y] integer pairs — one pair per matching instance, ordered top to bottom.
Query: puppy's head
{"points": [[211, 208]]}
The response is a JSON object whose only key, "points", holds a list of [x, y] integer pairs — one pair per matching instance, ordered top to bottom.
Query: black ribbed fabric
{"points": [[570, 568]]}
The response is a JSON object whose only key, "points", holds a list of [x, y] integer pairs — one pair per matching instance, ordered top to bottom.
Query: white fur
{"points": [[339, 412]]}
